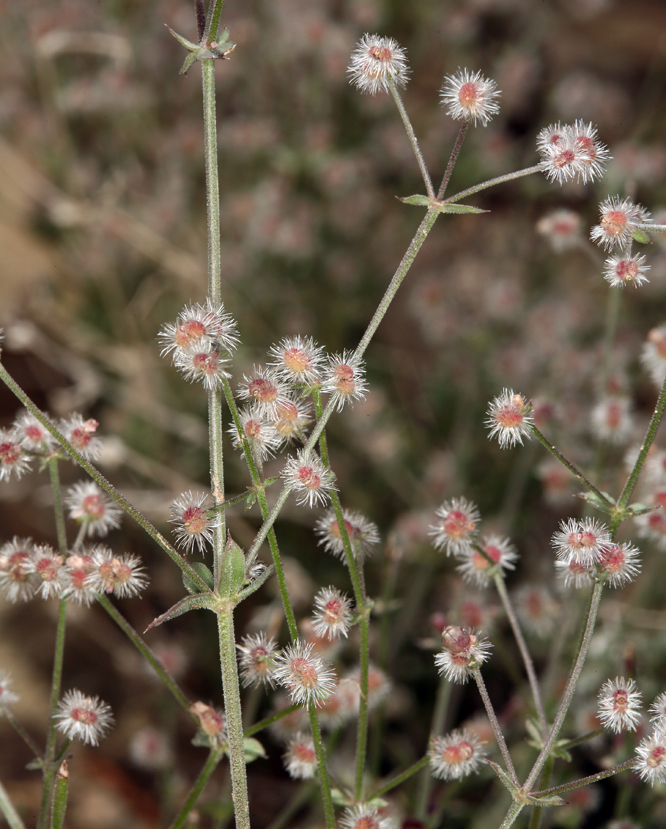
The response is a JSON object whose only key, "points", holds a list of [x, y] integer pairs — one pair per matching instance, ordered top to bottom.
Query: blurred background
{"points": [[102, 240]]}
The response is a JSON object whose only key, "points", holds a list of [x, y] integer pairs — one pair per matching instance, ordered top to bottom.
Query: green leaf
{"points": [[193, 47], [440, 207], [642, 237], [594, 500], [641, 509], [200, 568], [232, 574], [202, 601], [253, 749], [339, 798], [546, 800]]}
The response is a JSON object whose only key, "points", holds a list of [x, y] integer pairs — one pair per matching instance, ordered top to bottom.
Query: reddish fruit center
{"points": [[380, 53], [468, 95], [614, 222], [189, 332], [296, 360], [263, 390], [93, 506], [457, 525], [84, 715], [458, 753]]}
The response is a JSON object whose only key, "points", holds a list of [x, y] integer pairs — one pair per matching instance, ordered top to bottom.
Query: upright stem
{"points": [[212, 23], [413, 140], [452, 159], [593, 609], [524, 652], [232, 709], [490, 711], [322, 768], [8, 811]]}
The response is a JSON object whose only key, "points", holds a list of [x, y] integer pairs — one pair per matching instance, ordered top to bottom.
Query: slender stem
{"points": [[212, 24], [413, 140], [452, 159], [528, 171], [574, 470], [97, 476], [623, 500], [263, 506], [58, 510], [593, 609], [524, 652], [147, 653], [56, 682], [232, 709], [6, 713], [259, 726], [362, 731], [579, 741], [501, 742], [210, 765], [322, 768], [400, 778], [585, 781], [60, 796], [514, 810], [9, 812], [536, 818]]}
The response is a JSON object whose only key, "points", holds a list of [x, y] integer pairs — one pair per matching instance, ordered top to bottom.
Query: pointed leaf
{"points": [[193, 47], [189, 60], [440, 207], [642, 237], [593, 499], [641, 509], [202, 571], [200, 602], [503, 776], [339, 798], [546, 800]]}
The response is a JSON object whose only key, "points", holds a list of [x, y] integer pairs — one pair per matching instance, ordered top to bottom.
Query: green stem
{"points": [[212, 25], [412, 140], [452, 159], [492, 182], [574, 470], [97, 476], [623, 500], [263, 506], [58, 510], [593, 609], [524, 651], [147, 654], [56, 682], [232, 710], [490, 711], [5, 713], [259, 726], [362, 732], [214, 758], [322, 768], [400, 778], [585, 781], [60, 797], [514, 810], [538, 811], [9, 812]]}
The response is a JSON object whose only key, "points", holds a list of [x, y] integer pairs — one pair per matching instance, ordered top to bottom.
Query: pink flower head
{"points": [[376, 64], [469, 97], [571, 152], [620, 219], [562, 228], [626, 270], [199, 328], [653, 355], [297, 359], [204, 364], [344, 379], [265, 389], [509, 419], [612, 420], [290, 421], [81, 434], [260, 434], [32, 435], [13, 458], [309, 478], [91, 507], [191, 513], [456, 527], [362, 533], [581, 541], [620, 563], [47, 565], [78, 568], [476, 569], [573, 573], [17, 575], [123, 576], [333, 615], [463, 653], [257, 660], [303, 674], [619, 705], [658, 710], [83, 718], [212, 722], [455, 755], [300, 758], [651, 761], [363, 816]]}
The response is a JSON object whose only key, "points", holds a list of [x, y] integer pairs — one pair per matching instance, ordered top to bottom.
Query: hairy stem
{"points": [[412, 140], [501, 742], [210, 765]]}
